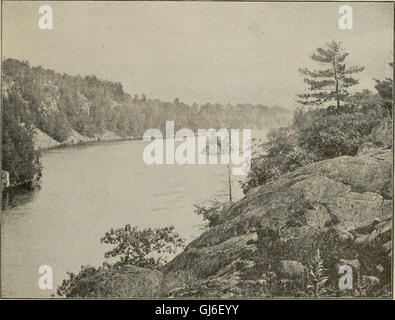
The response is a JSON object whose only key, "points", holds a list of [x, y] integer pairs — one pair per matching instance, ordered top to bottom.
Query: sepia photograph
{"points": [[196, 150]]}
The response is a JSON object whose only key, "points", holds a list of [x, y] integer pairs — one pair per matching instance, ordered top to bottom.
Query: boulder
{"points": [[381, 135], [379, 138], [43, 141], [342, 194], [275, 227], [207, 261], [353, 263], [293, 270], [130, 281], [370, 281]]}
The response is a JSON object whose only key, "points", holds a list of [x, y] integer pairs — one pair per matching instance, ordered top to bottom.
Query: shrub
{"points": [[333, 133], [315, 135], [282, 154], [210, 213], [133, 247], [136, 247], [83, 284]]}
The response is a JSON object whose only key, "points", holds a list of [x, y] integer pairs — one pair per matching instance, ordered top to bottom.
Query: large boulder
{"points": [[381, 135], [379, 138], [349, 197], [206, 261], [290, 269], [126, 281], [137, 282]]}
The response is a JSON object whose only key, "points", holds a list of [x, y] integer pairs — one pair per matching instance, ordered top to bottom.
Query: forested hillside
{"points": [[59, 102], [62, 106], [318, 197]]}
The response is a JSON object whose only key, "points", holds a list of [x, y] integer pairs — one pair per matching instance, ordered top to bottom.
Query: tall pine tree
{"points": [[332, 80]]}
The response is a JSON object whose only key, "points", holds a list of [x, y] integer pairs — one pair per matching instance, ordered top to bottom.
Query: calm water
{"points": [[85, 192]]}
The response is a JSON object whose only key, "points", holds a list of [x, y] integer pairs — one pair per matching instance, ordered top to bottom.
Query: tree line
{"points": [[57, 104]]}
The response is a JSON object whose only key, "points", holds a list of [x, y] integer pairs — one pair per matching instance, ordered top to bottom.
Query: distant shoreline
{"points": [[85, 143]]}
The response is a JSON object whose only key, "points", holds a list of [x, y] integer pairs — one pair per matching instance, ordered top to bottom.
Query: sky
{"points": [[199, 51]]}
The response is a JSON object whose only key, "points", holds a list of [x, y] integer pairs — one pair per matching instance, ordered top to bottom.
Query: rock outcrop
{"points": [[107, 136], [379, 138], [43, 141], [343, 205], [290, 237], [125, 281], [133, 281]]}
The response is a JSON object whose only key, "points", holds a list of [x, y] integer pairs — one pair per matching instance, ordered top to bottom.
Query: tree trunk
{"points": [[337, 81]]}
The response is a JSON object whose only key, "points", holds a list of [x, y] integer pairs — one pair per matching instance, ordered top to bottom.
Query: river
{"points": [[87, 190]]}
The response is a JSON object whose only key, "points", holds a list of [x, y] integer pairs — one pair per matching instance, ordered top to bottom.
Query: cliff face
{"points": [[341, 206]]}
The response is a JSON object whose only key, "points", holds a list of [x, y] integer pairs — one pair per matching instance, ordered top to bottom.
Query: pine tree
{"points": [[331, 82], [384, 88]]}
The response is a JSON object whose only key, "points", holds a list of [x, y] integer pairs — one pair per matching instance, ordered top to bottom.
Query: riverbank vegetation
{"points": [[74, 109], [330, 122], [329, 130], [19, 157], [309, 205], [146, 248], [293, 257]]}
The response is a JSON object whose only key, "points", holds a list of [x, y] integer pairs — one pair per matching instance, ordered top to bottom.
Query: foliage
{"points": [[331, 83], [384, 88], [59, 103], [56, 104], [324, 133], [331, 133], [314, 135], [18, 154], [281, 154], [210, 213], [135, 247], [142, 248], [270, 249], [321, 253], [316, 275], [83, 284], [361, 288]]}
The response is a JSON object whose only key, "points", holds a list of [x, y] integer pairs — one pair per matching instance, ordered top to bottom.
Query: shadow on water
{"points": [[15, 196]]}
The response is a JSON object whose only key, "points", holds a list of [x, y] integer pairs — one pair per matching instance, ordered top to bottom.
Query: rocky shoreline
{"points": [[43, 142], [287, 238], [264, 244]]}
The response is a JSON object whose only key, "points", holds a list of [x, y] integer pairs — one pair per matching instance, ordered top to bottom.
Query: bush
{"points": [[384, 88], [333, 134], [316, 135], [282, 154], [210, 213], [133, 247], [142, 248], [83, 284]]}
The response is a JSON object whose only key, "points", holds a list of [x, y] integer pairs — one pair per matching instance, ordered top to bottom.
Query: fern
{"points": [[316, 275], [360, 288]]}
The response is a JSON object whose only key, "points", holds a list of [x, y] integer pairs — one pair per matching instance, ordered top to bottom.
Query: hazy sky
{"points": [[198, 51]]}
